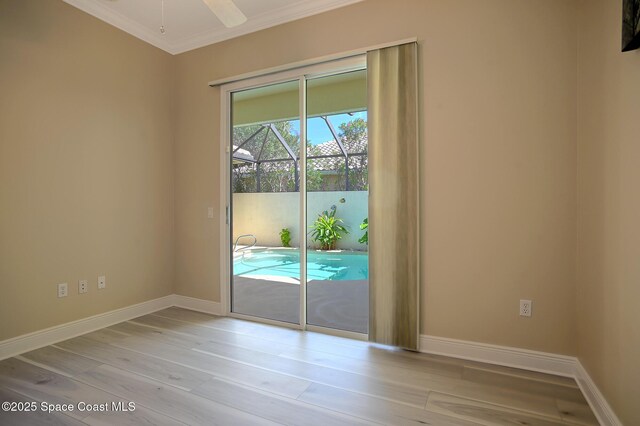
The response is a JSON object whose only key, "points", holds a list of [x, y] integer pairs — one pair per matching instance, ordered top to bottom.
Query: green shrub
{"points": [[364, 226], [327, 230], [285, 237]]}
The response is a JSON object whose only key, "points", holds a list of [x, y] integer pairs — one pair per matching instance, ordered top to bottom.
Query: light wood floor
{"points": [[184, 367]]}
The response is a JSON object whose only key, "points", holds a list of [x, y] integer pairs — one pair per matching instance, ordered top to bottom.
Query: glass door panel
{"points": [[265, 202], [337, 202]]}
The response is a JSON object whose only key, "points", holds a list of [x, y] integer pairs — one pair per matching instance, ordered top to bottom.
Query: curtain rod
{"points": [[307, 62]]}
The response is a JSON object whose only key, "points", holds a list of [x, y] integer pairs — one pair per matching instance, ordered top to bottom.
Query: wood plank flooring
{"points": [[185, 367]]}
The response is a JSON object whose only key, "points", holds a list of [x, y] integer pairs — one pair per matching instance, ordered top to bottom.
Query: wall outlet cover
{"points": [[102, 281], [83, 286], [525, 308]]}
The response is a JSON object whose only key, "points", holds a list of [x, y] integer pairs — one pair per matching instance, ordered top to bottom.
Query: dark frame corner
{"points": [[630, 25]]}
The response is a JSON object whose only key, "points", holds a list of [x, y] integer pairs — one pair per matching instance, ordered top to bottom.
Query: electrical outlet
{"points": [[210, 212], [102, 282], [83, 286], [62, 290], [525, 308]]}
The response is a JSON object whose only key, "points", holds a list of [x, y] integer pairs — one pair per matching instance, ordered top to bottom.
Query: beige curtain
{"points": [[393, 196]]}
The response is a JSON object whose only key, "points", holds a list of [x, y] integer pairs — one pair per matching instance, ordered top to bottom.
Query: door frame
{"points": [[302, 74]]}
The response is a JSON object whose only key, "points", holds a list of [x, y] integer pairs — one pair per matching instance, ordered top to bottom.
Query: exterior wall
{"points": [[265, 214]]}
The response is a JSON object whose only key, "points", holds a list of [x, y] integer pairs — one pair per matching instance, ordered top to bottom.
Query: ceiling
{"points": [[190, 24]]}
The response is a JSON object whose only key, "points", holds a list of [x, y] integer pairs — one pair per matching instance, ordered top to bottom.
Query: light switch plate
{"points": [[102, 282], [62, 290]]}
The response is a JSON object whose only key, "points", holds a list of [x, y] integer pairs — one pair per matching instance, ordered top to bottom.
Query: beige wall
{"points": [[498, 118], [86, 166], [609, 208]]}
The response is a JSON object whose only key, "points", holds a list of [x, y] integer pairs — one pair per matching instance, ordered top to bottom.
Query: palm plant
{"points": [[327, 229]]}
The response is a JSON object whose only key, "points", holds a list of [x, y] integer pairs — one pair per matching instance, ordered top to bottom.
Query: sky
{"points": [[317, 129]]}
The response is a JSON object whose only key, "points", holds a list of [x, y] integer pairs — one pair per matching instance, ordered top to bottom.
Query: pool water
{"points": [[321, 265]]}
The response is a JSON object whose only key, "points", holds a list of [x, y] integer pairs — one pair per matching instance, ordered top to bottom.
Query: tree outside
{"points": [[277, 169]]}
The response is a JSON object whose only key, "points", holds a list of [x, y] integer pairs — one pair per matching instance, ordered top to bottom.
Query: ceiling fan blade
{"points": [[227, 12]]}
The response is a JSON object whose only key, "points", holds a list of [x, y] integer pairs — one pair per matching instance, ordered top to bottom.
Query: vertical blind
{"points": [[394, 264]]}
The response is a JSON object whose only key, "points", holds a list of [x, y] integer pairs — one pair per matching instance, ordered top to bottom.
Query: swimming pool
{"points": [[285, 262]]}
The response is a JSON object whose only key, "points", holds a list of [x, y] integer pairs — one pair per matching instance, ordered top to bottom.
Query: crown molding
{"points": [[121, 22], [261, 22], [255, 23]]}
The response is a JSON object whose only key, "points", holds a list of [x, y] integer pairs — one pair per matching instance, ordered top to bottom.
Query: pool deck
{"points": [[342, 305]]}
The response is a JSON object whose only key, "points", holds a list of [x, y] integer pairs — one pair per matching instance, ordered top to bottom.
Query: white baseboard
{"points": [[200, 305], [48, 336], [28, 342], [525, 359], [543, 362], [599, 405]]}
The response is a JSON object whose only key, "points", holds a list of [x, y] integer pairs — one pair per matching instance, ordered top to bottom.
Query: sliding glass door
{"points": [[265, 189], [337, 202], [298, 211]]}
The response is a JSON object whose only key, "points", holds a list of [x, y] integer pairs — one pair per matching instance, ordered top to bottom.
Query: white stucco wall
{"points": [[265, 214]]}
